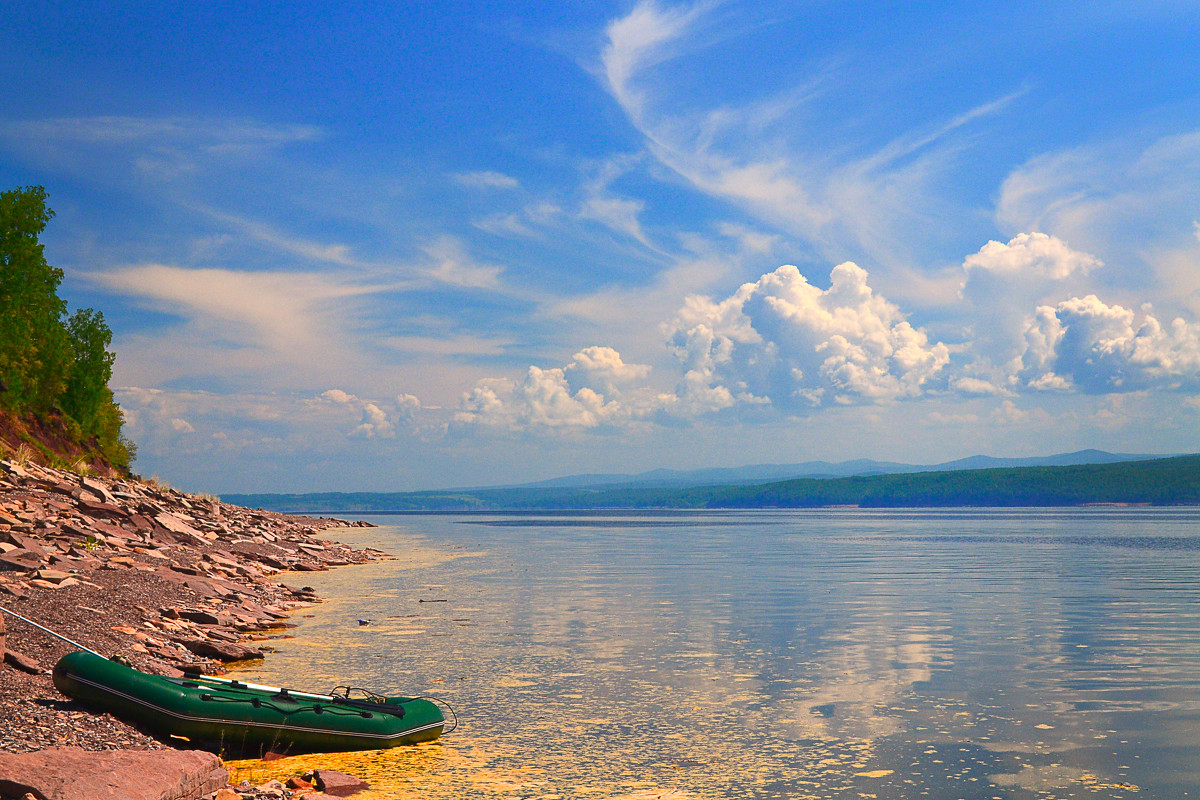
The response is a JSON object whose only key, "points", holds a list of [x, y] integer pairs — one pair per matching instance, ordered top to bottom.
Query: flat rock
{"points": [[14, 469], [98, 489], [91, 508], [176, 525], [19, 539], [23, 559], [52, 575], [204, 588], [15, 589], [225, 651], [22, 662], [68, 773], [336, 783]]}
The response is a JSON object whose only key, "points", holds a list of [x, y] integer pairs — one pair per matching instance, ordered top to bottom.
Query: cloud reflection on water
{"points": [[801, 658]]}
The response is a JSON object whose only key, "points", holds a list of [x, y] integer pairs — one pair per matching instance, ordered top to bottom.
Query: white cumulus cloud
{"points": [[1028, 255], [1002, 285], [784, 341], [1085, 344], [602, 370], [590, 392], [338, 396], [375, 419], [375, 422]]}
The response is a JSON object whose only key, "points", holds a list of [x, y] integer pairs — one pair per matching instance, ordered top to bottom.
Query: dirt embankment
{"points": [[48, 440]]}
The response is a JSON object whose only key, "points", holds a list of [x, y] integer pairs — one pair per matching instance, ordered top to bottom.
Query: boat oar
{"points": [[52, 633], [258, 687]]}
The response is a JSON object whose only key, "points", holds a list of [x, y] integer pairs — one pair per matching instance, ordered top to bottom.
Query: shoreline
{"points": [[171, 581]]}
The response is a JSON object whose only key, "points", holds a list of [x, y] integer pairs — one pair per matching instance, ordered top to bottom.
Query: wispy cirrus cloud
{"points": [[217, 135], [156, 148], [487, 179], [1077, 191], [1132, 199], [867, 203], [602, 204], [530, 222], [307, 249], [448, 260], [452, 264], [274, 308], [267, 329]]}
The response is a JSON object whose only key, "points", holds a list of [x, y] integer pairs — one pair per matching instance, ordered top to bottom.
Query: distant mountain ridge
{"points": [[767, 473], [1086, 476], [1173, 481]]}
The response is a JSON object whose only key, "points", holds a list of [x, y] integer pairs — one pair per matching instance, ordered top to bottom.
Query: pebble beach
{"points": [[171, 582]]}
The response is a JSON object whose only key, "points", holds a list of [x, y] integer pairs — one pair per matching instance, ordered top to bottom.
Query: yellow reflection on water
{"points": [[498, 770]]}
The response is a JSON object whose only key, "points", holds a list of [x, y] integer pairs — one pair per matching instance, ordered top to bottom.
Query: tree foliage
{"points": [[35, 355], [49, 361], [87, 389]]}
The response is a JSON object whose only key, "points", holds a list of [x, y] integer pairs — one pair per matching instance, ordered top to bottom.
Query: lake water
{"points": [[814, 654]]}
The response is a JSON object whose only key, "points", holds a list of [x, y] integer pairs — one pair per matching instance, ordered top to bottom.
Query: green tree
{"points": [[35, 354], [46, 363], [87, 389], [112, 444]]}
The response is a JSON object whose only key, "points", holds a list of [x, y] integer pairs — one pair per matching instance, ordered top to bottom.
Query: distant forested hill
{"points": [[756, 474], [1160, 482]]}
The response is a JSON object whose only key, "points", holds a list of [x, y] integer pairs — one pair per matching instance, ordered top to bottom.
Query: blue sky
{"points": [[402, 246]]}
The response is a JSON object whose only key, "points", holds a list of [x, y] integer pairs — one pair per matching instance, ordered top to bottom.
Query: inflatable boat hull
{"points": [[245, 718]]}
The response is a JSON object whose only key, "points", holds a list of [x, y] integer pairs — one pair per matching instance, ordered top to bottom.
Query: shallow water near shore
{"points": [[812, 654]]}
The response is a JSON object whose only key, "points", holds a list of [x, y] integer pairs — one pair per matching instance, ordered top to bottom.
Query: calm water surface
{"points": [[816, 654]]}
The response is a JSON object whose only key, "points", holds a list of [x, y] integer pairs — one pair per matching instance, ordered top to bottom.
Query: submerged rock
{"points": [[337, 783]]}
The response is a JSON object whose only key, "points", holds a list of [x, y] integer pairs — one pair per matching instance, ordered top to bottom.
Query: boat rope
{"points": [[52, 633], [346, 692], [256, 702], [440, 702], [371, 705]]}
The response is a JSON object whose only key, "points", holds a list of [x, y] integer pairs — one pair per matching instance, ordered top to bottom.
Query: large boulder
{"points": [[23, 559], [225, 651], [68, 773], [338, 784]]}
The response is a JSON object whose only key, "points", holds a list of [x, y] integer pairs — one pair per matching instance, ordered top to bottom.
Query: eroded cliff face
{"points": [[49, 441]]}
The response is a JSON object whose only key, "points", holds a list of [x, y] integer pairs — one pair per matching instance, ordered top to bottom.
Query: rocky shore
{"points": [[170, 581]]}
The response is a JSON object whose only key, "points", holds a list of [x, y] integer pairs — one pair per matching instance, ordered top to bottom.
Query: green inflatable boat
{"points": [[247, 718]]}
